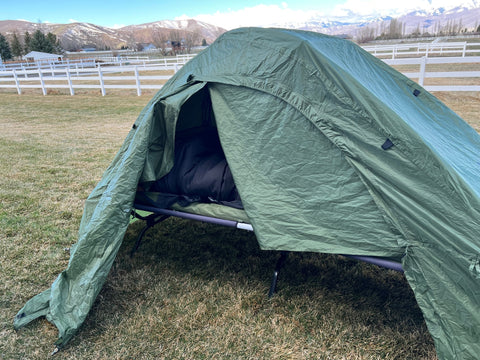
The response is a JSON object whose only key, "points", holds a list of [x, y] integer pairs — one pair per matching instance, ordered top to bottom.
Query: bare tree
{"points": [[395, 29], [365, 34], [192, 38], [160, 40], [176, 41]]}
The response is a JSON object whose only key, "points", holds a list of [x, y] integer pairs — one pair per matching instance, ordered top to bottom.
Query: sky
{"points": [[228, 14]]}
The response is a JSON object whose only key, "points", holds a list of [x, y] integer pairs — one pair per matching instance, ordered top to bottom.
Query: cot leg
{"points": [[151, 220], [281, 260]]}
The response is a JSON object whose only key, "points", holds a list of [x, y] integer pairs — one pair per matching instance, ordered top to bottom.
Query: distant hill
{"points": [[80, 35]]}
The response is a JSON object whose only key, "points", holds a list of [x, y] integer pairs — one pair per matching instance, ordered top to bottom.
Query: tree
{"points": [[395, 29], [365, 34], [191, 39], [176, 41], [26, 42], [39, 42], [48, 43], [55, 43], [16, 46], [5, 52]]}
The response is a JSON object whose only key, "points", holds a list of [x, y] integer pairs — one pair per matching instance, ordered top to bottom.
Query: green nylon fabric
{"points": [[302, 118]]}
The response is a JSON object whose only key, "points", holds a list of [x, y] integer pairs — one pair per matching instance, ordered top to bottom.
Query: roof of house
{"points": [[38, 55]]}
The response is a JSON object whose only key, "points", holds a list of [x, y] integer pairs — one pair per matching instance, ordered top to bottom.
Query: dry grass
{"points": [[193, 291]]}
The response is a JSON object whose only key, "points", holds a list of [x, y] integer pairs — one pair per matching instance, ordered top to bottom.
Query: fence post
{"points": [[464, 49], [100, 77], [421, 77], [137, 81], [17, 83], [42, 83], [70, 85]]}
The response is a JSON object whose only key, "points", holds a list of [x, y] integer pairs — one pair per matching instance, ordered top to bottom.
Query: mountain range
{"points": [[465, 17], [75, 36]]}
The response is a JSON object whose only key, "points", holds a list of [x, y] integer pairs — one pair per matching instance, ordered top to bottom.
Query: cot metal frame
{"points": [[158, 215]]}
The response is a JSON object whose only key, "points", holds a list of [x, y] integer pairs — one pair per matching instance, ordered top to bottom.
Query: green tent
{"points": [[331, 150]]}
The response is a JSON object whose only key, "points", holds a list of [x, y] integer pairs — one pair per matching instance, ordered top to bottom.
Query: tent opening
{"points": [[200, 173]]}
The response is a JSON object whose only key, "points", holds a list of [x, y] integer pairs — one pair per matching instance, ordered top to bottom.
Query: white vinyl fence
{"points": [[424, 49], [141, 73], [422, 74], [103, 78]]}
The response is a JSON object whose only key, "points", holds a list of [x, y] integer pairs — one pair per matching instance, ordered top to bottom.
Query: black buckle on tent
{"points": [[416, 92], [387, 144]]}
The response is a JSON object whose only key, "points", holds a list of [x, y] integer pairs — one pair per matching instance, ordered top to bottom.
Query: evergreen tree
{"points": [[27, 40], [39, 42], [55, 43], [48, 44], [16, 46], [5, 52]]}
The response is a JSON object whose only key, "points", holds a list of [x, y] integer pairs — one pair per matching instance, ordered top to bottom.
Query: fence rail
{"points": [[424, 49], [169, 62], [422, 74], [151, 75], [98, 78]]}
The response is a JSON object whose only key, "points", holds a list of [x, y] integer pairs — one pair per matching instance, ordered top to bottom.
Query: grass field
{"points": [[193, 291]]}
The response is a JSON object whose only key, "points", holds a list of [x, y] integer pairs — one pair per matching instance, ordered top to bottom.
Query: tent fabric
{"points": [[331, 151]]}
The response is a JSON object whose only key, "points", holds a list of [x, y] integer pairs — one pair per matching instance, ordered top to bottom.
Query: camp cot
{"points": [[328, 150]]}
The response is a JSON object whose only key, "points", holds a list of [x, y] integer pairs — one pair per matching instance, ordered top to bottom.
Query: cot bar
{"points": [[189, 216], [151, 221], [393, 265]]}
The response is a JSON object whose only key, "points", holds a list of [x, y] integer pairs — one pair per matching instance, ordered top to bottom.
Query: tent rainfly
{"points": [[313, 128]]}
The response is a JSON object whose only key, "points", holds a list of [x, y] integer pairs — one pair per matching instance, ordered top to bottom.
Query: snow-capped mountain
{"points": [[425, 18], [146, 33], [79, 35]]}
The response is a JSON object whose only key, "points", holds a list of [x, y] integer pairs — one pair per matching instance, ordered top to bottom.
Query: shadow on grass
{"points": [[209, 252], [183, 267]]}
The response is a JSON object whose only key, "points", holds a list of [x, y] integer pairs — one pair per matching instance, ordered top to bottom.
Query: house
{"points": [[148, 47], [41, 56]]}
